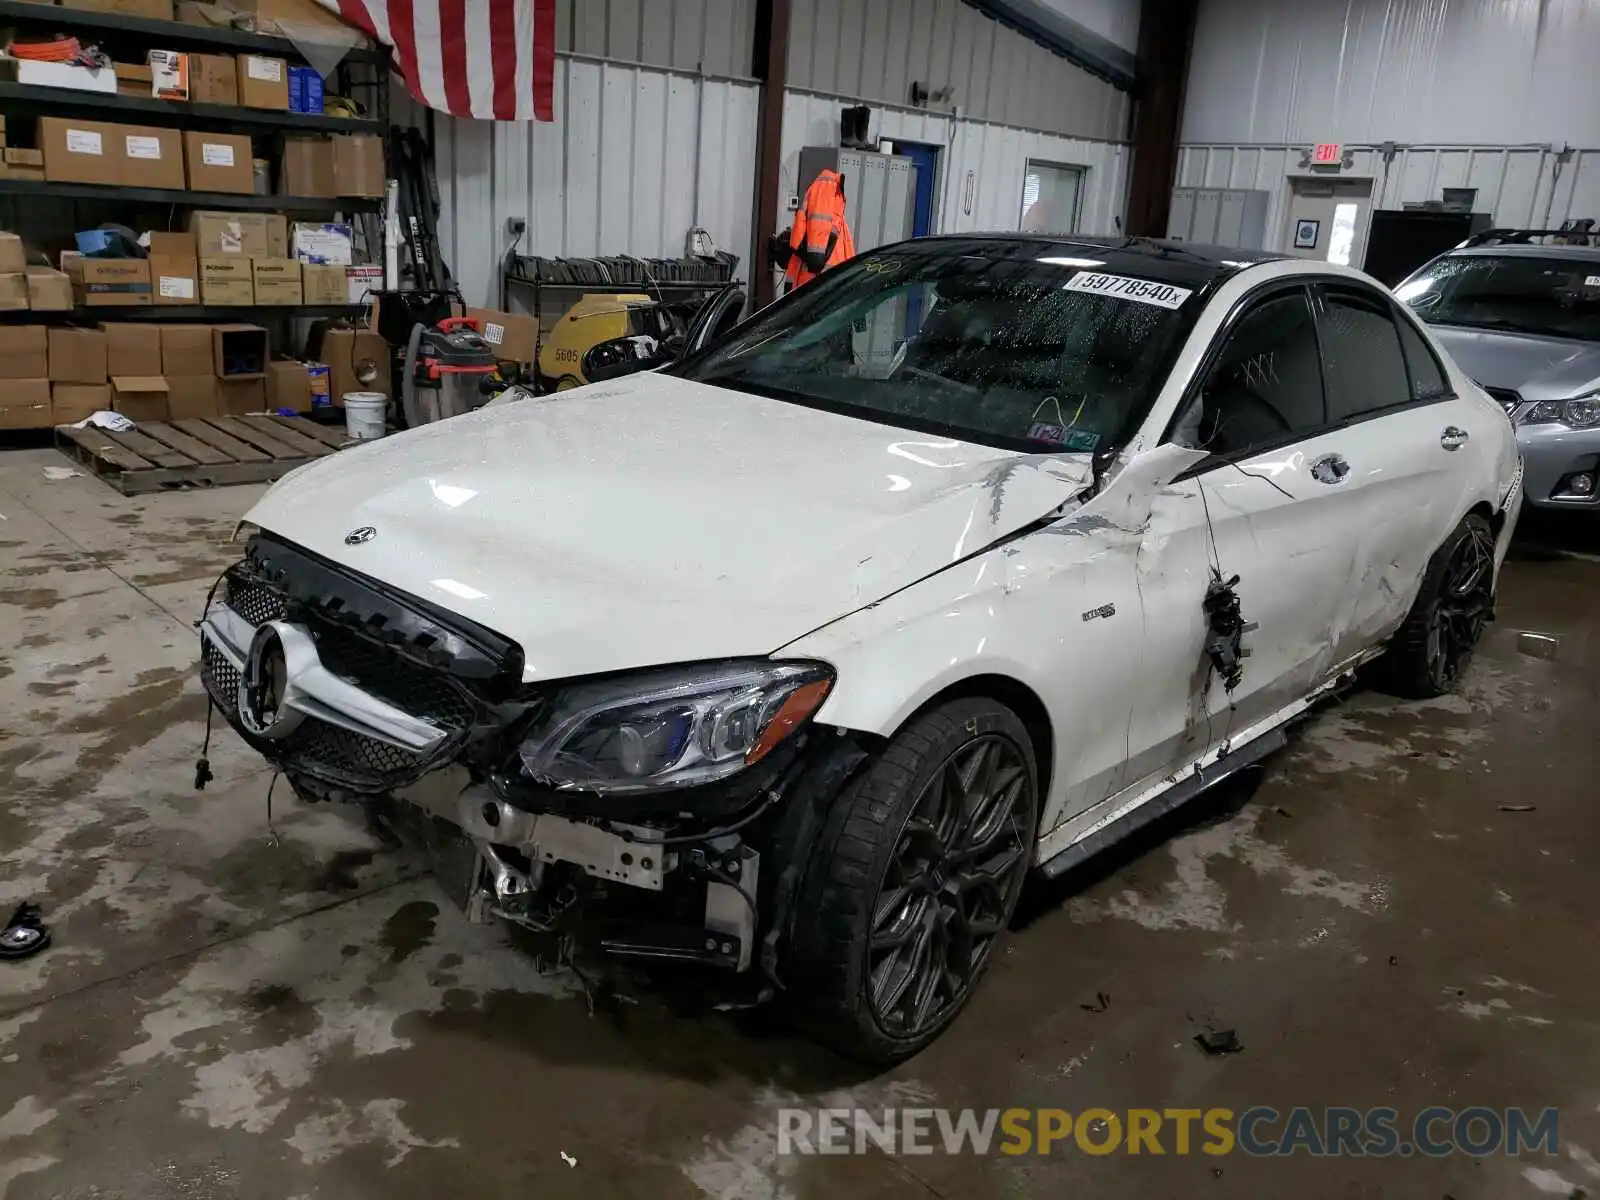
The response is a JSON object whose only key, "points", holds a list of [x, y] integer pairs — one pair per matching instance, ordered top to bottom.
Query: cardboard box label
{"points": [[267, 69], [169, 75], [83, 141], [144, 147], [214, 155], [176, 287], [493, 334]]}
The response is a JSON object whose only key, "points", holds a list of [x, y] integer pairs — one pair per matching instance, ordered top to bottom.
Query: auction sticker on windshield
{"points": [[1162, 295]]}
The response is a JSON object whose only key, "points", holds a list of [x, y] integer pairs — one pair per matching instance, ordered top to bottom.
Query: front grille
{"points": [[1509, 398], [324, 750]]}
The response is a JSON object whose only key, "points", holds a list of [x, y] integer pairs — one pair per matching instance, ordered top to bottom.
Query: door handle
{"points": [[1453, 437], [1330, 468]]}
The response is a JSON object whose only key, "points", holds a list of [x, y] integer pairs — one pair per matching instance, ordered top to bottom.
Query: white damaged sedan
{"points": [[793, 659]]}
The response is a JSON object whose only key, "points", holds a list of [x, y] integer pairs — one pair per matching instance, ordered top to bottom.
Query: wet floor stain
{"points": [[410, 929]]}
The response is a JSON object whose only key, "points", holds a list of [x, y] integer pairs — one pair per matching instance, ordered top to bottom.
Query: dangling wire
{"points": [[202, 766], [272, 833]]}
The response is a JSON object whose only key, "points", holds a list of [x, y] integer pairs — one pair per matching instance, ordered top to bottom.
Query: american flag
{"points": [[491, 59]]}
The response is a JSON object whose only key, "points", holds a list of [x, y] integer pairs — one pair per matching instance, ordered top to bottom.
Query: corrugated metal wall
{"points": [[711, 35], [874, 49], [1427, 72], [994, 155], [634, 159], [1520, 186]]}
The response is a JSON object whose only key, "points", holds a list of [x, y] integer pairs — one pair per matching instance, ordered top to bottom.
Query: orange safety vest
{"points": [[821, 236]]}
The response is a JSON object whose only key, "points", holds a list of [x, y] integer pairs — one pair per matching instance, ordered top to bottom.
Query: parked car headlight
{"points": [[1581, 413], [675, 727]]}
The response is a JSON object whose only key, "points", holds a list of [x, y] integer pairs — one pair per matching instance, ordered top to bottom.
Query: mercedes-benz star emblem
{"points": [[357, 537], [263, 685]]}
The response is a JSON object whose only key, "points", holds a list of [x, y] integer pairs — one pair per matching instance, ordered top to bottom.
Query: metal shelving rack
{"points": [[127, 38]]}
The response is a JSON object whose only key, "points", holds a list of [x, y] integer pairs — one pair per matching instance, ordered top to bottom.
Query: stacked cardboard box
{"points": [[78, 374], [24, 377]]}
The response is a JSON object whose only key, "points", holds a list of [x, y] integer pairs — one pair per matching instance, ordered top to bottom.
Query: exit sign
{"points": [[1327, 154]]}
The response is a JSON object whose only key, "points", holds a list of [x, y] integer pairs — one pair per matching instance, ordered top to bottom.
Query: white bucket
{"points": [[365, 415]]}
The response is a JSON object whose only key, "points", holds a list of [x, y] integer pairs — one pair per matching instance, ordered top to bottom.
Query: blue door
{"points": [[926, 160]]}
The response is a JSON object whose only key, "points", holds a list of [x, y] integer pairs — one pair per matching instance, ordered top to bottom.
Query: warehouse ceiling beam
{"points": [[1062, 35]]}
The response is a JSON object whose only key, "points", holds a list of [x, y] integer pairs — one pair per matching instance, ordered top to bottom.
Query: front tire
{"points": [[1432, 648], [912, 881]]}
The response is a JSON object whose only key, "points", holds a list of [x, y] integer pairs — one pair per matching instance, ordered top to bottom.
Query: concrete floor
{"points": [[224, 1017]]}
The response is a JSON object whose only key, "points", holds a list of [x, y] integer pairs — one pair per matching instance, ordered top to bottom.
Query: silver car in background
{"points": [[1523, 319]]}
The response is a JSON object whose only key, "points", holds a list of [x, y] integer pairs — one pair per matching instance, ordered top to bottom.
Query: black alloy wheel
{"points": [[1465, 603], [1431, 649], [912, 880], [951, 885]]}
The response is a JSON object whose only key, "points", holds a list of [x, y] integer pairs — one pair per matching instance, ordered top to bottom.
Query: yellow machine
{"points": [[594, 318]]}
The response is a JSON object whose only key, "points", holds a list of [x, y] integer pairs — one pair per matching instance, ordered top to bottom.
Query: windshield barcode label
{"points": [[1162, 295]]}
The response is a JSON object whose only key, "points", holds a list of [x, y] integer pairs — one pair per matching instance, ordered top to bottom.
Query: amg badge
{"points": [[1105, 610]]}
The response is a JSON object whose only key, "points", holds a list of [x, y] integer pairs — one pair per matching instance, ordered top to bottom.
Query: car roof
{"points": [[1573, 253], [1187, 264]]}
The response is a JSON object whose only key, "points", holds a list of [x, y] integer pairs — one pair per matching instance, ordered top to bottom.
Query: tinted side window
{"points": [[1361, 351], [1428, 380], [1266, 385]]}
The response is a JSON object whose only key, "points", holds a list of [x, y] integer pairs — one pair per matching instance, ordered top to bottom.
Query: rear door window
{"points": [[1363, 364], [1428, 380]]}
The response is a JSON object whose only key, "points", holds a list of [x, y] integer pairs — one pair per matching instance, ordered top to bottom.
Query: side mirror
{"points": [[620, 356]]}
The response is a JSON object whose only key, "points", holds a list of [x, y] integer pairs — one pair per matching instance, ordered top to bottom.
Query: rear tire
{"points": [[1432, 648], [912, 881]]}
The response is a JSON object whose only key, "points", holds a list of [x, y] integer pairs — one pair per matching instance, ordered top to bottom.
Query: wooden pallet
{"points": [[208, 452]]}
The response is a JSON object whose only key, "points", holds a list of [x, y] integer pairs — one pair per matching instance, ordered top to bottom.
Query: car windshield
{"points": [[1553, 297], [1005, 345]]}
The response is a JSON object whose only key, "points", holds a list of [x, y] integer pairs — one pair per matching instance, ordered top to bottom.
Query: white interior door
{"points": [[1328, 220]]}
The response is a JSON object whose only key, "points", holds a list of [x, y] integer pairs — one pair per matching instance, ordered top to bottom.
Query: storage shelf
{"points": [[176, 35], [52, 101], [228, 200], [655, 285], [176, 313]]}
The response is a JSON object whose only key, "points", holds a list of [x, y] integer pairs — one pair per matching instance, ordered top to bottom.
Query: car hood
{"points": [[1535, 367], [654, 520]]}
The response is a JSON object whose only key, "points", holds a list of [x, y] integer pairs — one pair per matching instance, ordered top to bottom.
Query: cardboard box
{"points": [[155, 10], [211, 16], [169, 75], [70, 76], [133, 79], [213, 79], [263, 82], [80, 151], [15, 156], [151, 157], [218, 162], [357, 165], [307, 167], [9, 172], [218, 233], [277, 236], [329, 242], [171, 243], [12, 256], [174, 279], [226, 280], [277, 281], [99, 282], [322, 284], [362, 284], [49, 290], [13, 291], [513, 336], [132, 350], [186, 350], [240, 351], [24, 352], [349, 353], [77, 356], [288, 386], [192, 396], [241, 397], [140, 398], [72, 402], [25, 404]]}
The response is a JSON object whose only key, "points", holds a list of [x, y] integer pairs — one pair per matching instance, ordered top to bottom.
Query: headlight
{"points": [[1582, 413], [671, 728]]}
